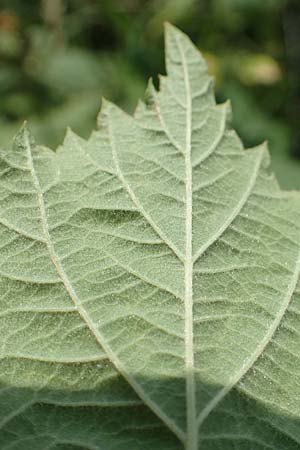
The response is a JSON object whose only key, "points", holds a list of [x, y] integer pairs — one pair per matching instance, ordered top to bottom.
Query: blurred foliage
{"points": [[58, 57]]}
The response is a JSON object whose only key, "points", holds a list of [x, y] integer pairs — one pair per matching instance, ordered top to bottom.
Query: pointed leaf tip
{"points": [[23, 136]]}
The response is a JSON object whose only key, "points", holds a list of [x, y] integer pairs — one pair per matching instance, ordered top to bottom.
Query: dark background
{"points": [[58, 57]]}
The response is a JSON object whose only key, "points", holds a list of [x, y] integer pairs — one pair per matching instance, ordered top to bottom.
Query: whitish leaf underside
{"points": [[149, 282]]}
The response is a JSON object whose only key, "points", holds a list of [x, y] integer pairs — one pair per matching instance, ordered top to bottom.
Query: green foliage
{"points": [[56, 55], [149, 282]]}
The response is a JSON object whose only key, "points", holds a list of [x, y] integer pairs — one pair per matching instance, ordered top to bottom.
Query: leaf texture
{"points": [[149, 282]]}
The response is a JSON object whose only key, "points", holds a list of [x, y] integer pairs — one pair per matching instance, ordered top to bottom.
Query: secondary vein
{"points": [[135, 200], [236, 211], [80, 308], [249, 363]]}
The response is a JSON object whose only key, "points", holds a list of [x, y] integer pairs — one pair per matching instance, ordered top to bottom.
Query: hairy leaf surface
{"points": [[149, 282]]}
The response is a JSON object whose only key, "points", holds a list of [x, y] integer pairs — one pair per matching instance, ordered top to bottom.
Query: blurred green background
{"points": [[58, 57]]}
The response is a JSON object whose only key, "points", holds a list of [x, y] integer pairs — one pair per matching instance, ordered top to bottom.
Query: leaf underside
{"points": [[149, 282]]}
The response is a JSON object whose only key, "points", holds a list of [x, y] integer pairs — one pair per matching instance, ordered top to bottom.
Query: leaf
{"points": [[149, 282]]}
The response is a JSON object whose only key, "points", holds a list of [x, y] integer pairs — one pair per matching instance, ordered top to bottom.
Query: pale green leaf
{"points": [[149, 282]]}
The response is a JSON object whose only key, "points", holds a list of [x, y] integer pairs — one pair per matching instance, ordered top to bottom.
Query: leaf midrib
{"points": [[192, 433]]}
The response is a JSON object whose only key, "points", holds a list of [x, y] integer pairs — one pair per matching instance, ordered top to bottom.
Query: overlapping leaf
{"points": [[149, 282]]}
